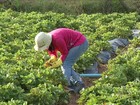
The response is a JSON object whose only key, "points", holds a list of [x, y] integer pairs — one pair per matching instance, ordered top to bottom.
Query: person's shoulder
{"points": [[61, 29]]}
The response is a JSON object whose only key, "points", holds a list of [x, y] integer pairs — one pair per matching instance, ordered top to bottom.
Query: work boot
{"points": [[79, 86], [71, 88]]}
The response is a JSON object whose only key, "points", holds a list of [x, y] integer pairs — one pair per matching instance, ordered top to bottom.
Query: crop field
{"points": [[25, 81]]}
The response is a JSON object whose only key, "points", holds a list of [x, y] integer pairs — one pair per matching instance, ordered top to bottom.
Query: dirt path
{"points": [[88, 82]]}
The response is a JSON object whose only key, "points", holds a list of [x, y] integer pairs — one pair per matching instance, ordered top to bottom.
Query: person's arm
{"points": [[62, 47], [52, 53]]}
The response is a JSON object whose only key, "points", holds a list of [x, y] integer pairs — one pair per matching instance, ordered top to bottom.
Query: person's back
{"points": [[71, 37]]}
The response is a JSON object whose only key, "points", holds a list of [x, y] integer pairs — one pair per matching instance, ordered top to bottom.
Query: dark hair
{"points": [[51, 47]]}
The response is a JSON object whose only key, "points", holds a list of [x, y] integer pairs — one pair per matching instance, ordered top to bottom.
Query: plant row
{"points": [[23, 78]]}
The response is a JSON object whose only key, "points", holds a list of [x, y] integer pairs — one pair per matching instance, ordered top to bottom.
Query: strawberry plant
{"points": [[24, 80], [118, 85]]}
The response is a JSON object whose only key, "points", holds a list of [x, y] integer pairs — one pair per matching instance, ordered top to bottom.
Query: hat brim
{"points": [[41, 48]]}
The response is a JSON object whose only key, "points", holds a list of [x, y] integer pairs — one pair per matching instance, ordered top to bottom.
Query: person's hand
{"points": [[52, 59], [56, 63], [47, 64]]}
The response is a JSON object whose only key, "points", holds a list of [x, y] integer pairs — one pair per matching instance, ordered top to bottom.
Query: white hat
{"points": [[42, 41]]}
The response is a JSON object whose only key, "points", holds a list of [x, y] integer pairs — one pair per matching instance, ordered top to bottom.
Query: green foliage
{"points": [[74, 7], [24, 80], [120, 84], [9, 91], [106, 93], [47, 94], [14, 102]]}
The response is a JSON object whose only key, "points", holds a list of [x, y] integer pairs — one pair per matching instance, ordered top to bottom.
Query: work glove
{"points": [[50, 61], [56, 63], [47, 64]]}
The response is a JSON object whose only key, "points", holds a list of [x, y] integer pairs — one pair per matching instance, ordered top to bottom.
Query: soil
{"points": [[88, 82]]}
